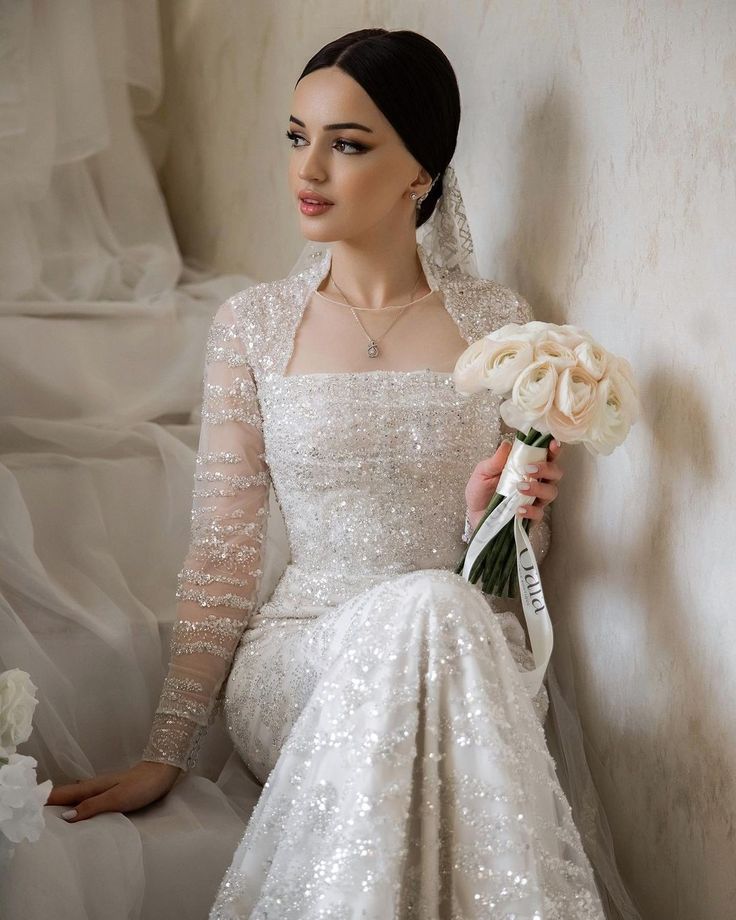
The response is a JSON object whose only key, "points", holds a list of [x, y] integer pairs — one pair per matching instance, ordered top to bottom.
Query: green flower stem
{"points": [[506, 545], [509, 559], [493, 571], [508, 586]]}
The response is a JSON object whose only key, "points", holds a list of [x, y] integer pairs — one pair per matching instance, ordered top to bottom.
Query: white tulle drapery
{"points": [[101, 354]]}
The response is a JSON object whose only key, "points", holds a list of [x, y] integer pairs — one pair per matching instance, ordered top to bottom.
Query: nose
{"points": [[310, 165]]}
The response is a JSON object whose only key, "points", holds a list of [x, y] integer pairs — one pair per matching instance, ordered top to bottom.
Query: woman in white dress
{"points": [[376, 694]]}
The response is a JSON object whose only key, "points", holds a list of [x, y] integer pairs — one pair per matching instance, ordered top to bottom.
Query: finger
{"points": [[492, 466], [545, 469], [544, 491], [534, 512], [71, 793], [106, 801]]}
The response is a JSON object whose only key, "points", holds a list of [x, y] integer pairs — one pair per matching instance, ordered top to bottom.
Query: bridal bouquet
{"points": [[556, 382], [21, 799]]}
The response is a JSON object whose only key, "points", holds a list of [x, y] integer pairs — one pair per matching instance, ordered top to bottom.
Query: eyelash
{"points": [[359, 148]]}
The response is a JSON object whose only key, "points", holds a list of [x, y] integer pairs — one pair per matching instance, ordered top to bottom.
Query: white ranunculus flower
{"points": [[520, 332], [568, 335], [558, 354], [593, 357], [503, 362], [625, 370], [467, 375], [531, 397], [616, 410], [571, 413], [17, 702], [22, 799]]}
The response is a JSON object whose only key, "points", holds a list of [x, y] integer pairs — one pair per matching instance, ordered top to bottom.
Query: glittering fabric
{"points": [[375, 694], [415, 781]]}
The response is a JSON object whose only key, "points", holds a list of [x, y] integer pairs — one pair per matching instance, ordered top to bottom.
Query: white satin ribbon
{"points": [[536, 615]]}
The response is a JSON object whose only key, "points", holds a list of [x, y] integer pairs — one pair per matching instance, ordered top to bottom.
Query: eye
{"points": [[293, 137], [340, 144], [357, 148]]}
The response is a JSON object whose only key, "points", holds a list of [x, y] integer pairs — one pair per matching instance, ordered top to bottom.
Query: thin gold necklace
{"points": [[373, 351]]}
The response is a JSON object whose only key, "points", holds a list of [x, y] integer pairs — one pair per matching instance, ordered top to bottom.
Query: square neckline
{"points": [[434, 286]]}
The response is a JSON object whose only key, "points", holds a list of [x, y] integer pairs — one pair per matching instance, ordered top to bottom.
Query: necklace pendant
{"points": [[373, 350]]}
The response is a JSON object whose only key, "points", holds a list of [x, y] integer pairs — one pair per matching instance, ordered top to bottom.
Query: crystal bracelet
{"points": [[468, 531]]}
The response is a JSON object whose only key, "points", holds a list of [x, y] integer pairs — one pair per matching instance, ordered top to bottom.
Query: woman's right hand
{"points": [[128, 790]]}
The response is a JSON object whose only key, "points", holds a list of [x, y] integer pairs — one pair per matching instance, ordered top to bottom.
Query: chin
{"points": [[319, 235]]}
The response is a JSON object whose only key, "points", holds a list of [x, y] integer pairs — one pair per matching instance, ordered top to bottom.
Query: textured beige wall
{"points": [[597, 153]]}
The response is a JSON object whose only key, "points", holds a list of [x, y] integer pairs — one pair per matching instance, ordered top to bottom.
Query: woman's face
{"points": [[365, 170]]}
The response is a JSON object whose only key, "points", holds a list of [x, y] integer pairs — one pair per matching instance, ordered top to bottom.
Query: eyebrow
{"points": [[337, 126]]}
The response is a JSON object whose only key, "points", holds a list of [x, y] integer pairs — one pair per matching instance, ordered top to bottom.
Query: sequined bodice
{"points": [[369, 467], [370, 471]]}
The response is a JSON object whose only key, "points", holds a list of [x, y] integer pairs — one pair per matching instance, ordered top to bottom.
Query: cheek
{"points": [[366, 194]]}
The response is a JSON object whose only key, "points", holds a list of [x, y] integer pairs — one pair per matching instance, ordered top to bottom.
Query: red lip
{"points": [[314, 196]]}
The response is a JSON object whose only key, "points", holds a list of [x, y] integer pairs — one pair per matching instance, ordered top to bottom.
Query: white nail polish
{"points": [[531, 468], [72, 813]]}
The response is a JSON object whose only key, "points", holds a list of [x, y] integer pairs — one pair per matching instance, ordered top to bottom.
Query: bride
{"points": [[376, 695]]}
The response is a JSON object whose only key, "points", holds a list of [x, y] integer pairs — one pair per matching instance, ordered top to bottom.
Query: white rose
{"points": [[593, 357], [531, 397], [617, 408], [570, 416], [17, 702], [21, 799]]}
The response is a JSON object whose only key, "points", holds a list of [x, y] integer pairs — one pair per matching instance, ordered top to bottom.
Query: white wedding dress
{"points": [[376, 694]]}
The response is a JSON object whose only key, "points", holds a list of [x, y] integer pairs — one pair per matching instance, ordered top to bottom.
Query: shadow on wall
{"points": [[543, 252], [670, 762]]}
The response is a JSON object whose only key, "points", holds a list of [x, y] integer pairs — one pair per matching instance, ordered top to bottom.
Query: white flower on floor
{"points": [[17, 702], [21, 799]]}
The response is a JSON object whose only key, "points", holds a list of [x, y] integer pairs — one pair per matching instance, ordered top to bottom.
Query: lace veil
{"points": [[447, 239]]}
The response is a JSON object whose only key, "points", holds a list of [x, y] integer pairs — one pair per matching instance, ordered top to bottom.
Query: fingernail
{"points": [[557, 443], [531, 468], [524, 486], [521, 510], [72, 813]]}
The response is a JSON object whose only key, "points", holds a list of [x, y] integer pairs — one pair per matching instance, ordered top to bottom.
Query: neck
{"points": [[376, 276]]}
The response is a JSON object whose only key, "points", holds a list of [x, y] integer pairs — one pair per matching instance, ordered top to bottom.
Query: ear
{"points": [[421, 183]]}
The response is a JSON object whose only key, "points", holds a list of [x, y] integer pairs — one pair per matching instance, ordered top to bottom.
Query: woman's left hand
{"points": [[542, 485]]}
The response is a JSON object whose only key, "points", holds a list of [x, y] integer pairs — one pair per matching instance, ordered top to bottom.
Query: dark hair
{"points": [[413, 84]]}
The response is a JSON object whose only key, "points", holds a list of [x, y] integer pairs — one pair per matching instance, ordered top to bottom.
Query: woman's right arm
{"points": [[217, 585]]}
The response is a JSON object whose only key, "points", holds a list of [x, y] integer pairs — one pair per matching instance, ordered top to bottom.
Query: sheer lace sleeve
{"points": [[218, 583]]}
